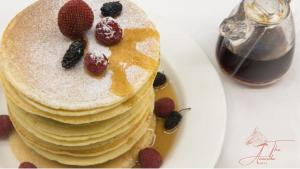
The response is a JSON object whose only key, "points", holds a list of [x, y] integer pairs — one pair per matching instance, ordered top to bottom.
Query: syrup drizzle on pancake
{"points": [[125, 55]]}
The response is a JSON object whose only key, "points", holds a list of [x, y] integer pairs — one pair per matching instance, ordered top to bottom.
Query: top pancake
{"points": [[33, 47]]}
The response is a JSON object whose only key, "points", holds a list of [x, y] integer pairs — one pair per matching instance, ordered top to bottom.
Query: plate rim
{"points": [[165, 33]]}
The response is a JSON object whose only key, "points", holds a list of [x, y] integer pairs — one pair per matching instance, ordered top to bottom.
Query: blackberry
{"points": [[112, 9], [73, 54], [160, 80], [173, 120]]}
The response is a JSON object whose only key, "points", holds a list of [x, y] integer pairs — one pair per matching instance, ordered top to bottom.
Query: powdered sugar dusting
{"points": [[109, 32], [93, 45], [149, 47], [38, 48], [100, 59], [136, 74]]}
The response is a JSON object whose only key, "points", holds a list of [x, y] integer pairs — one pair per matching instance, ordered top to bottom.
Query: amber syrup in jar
{"points": [[257, 41], [264, 65]]}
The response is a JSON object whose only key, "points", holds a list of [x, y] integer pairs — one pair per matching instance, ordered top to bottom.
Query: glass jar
{"points": [[256, 43]]}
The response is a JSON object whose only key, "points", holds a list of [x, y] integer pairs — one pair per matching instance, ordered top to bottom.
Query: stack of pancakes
{"points": [[70, 116]]}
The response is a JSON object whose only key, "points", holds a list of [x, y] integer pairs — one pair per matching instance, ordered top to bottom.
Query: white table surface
{"points": [[274, 110]]}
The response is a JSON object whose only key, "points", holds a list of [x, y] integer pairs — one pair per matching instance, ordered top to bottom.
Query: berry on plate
{"points": [[75, 18], [108, 32], [96, 64], [160, 80], [164, 107], [173, 120], [6, 126], [150, 158], [27, 165]]}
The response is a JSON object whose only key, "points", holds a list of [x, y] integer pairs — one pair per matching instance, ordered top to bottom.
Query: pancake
{"points": [[31, 59], [59, 115], [69, 116], [101, 116], [62, 132], [80, 140], [86, 150], [93, 156], [127, 160], [81, 161]]}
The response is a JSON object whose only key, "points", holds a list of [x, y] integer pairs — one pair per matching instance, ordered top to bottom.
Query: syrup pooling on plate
{"points": [[125, 55], [165, 140]]}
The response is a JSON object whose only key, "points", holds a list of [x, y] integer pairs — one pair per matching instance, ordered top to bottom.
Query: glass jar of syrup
{"points": [[256, 43]]}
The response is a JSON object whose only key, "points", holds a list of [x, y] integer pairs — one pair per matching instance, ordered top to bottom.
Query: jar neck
{"points": [[266, 12]]}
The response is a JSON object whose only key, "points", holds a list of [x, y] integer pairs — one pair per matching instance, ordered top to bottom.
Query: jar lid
{"points": [[266, 11]]}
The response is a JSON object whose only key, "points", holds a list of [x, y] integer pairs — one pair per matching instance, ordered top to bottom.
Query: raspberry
{"points": [[112, 9], [75, 18], [108, 32], [73, 54], [96, 64], [160, 80], [164, 107], [173, 120], [6, 126], [150, 158], [27, 165]]}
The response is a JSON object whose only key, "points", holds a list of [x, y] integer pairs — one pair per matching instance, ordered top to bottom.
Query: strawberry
{"points": [[75, 18]]}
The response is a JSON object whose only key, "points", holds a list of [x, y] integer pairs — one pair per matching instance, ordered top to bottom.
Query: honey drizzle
{"points": [[125, 55]]}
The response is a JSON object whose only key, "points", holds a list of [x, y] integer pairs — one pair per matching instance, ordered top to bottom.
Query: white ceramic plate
{"points": [[198, 86]]}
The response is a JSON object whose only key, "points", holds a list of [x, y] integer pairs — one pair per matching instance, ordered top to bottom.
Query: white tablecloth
{"points": [[274, 111]]}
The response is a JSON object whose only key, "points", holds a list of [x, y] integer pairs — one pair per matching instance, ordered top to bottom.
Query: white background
{"points": [[275, 110]]}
